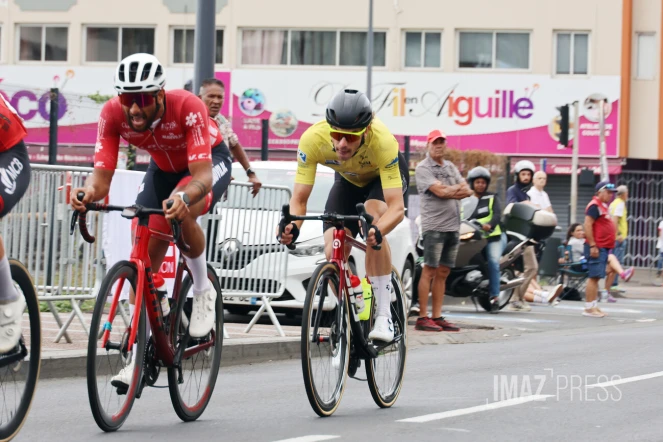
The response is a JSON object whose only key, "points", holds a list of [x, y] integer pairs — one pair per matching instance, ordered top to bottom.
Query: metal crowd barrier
{"points": [[36, 232], [242, 246]]}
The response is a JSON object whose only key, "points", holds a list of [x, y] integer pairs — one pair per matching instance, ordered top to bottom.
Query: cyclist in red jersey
{"points": [[173, 127], [14, 181]]}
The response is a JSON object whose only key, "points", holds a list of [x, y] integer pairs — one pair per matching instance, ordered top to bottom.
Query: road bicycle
{"points": [[334, 340], [192, 364], [19, 368]]}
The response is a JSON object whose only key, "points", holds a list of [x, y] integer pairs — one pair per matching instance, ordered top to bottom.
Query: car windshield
{"points": [[281, 177]]}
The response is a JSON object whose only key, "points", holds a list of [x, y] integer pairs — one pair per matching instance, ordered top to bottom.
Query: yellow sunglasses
{"points": [[350, 137]]}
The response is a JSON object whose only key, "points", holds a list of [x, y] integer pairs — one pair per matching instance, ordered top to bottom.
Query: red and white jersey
{"points": [[11, 126], [182, 136]]}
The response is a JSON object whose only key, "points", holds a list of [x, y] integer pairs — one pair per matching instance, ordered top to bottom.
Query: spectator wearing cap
{"points": [[440, 186], [619, 215], [600, 239]]}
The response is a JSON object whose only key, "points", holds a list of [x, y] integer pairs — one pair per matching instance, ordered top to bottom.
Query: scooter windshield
{"points": [[468, 206]]}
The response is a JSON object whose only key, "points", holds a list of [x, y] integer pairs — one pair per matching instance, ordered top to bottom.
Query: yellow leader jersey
{"points": [[378, 156]]}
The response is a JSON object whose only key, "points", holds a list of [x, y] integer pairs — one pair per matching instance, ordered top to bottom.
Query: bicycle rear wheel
{"points": [[325, 340], [19, 368], [385, 373], [192, 387], [111, 405]]}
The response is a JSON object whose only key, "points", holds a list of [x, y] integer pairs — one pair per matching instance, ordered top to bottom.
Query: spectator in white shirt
{"points": [[537, 195]]}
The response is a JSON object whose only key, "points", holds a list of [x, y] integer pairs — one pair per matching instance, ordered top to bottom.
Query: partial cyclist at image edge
{"points": [[174, 128], [369, 169], [14, 181], [488, 213]]}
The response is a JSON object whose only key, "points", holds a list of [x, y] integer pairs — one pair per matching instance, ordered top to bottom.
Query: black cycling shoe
{"points": [[494, 305]]}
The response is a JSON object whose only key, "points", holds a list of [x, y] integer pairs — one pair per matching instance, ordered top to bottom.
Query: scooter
{"points": [[469, 276]]}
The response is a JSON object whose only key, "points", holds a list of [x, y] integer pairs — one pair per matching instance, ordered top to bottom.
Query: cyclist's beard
{"points": [[148, 120]]}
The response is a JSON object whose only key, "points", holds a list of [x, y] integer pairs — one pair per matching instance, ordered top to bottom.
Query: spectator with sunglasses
{"points": [[173, 127], [369, 169]]}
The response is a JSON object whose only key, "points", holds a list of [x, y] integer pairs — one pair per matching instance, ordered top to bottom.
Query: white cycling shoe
{"points": [[202, 313], [11, 315], [383, 330], [123, 378]]}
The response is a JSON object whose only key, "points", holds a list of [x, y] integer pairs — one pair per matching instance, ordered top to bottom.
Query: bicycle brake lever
{"points": [[285, 220], [366, 222]]}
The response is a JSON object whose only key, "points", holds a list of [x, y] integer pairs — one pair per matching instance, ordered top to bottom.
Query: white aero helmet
{"points": [[139, 73], [524, 165]]}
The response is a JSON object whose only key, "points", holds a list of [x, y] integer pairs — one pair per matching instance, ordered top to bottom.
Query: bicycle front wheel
{"points": [[325, 340], [19, 368], [385, 373], [192, 384], [111, 398]]}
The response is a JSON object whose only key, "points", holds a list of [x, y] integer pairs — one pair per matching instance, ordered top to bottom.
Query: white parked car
{"points": [[310, 245]]}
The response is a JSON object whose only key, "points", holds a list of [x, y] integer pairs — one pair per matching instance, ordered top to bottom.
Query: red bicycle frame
{"points": [[338, 258], [146, 292]]}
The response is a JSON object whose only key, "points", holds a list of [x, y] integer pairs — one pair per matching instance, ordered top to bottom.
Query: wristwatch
{"points": [[250, 172], [184, 197]]}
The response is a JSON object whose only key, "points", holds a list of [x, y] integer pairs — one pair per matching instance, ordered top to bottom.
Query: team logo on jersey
{"points": [[191, 119], [302, 155], [334, 162], [393, 162], [351, 173], [9, 175]]}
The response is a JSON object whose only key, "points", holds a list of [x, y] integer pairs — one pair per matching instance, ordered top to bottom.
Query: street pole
{"points": [[205, 44], [369, 51], [53, 126], [602, 147], [574, 163]]}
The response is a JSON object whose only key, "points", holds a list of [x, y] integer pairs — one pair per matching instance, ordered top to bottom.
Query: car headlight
{"points": [[309, 248]]}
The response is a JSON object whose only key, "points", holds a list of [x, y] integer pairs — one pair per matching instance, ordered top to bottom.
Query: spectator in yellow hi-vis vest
{"points": [[619, 215]]}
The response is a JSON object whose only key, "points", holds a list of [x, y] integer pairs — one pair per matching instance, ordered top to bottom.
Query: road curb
{"points": [[72, 363]]}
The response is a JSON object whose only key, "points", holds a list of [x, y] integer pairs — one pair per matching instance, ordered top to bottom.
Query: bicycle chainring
{"points": [[150, 364]]}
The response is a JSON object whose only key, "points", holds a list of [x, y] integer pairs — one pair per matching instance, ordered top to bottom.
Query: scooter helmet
{"points": [[349, 109], [523, 165], [478, 172]]}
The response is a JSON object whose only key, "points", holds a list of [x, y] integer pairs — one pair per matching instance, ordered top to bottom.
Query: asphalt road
{"points": [[535, 380]]}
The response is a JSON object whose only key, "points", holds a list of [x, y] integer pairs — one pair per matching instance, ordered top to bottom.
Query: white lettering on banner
{"points": [[218, 172], [9, 175]]}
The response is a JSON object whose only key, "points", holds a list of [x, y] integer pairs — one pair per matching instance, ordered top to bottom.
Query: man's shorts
{"points": [[14, 176], [158, 185], [344, 196], [441, 248], [596, 266]]}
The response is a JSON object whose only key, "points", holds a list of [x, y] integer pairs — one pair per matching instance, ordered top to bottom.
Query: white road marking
{"points": [[605, 308], [498, 318], [628, 380], [477, 409], [460, 430], [311, 438]]}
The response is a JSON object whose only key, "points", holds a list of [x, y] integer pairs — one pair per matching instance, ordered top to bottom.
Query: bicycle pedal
{"points": [[121, 389]]}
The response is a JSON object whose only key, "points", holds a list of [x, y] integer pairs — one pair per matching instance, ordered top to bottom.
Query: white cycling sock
{"points": [[198, 268], [8, 292], [382, 292], [589, 305]]}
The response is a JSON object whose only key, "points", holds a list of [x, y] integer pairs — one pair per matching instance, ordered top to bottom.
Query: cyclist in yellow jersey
{"points": [[369, 169]]}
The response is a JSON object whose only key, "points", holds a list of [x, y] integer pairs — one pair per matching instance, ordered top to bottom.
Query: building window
{"points": [[42, 43], [111, 44], [183, 46], [354, 47], [310, 48], [313, 48], [423, 50], [493, 50], [572, 53], [646, 56]]}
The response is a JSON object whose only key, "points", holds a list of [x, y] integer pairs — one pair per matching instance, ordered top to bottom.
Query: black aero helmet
{"points": [[349, 109], [478, 172]]}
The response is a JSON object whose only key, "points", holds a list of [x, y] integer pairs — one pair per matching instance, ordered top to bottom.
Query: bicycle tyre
{"points": [[127, 270], [325, 272], [22, 278], [399, 317], [191, 413]]}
